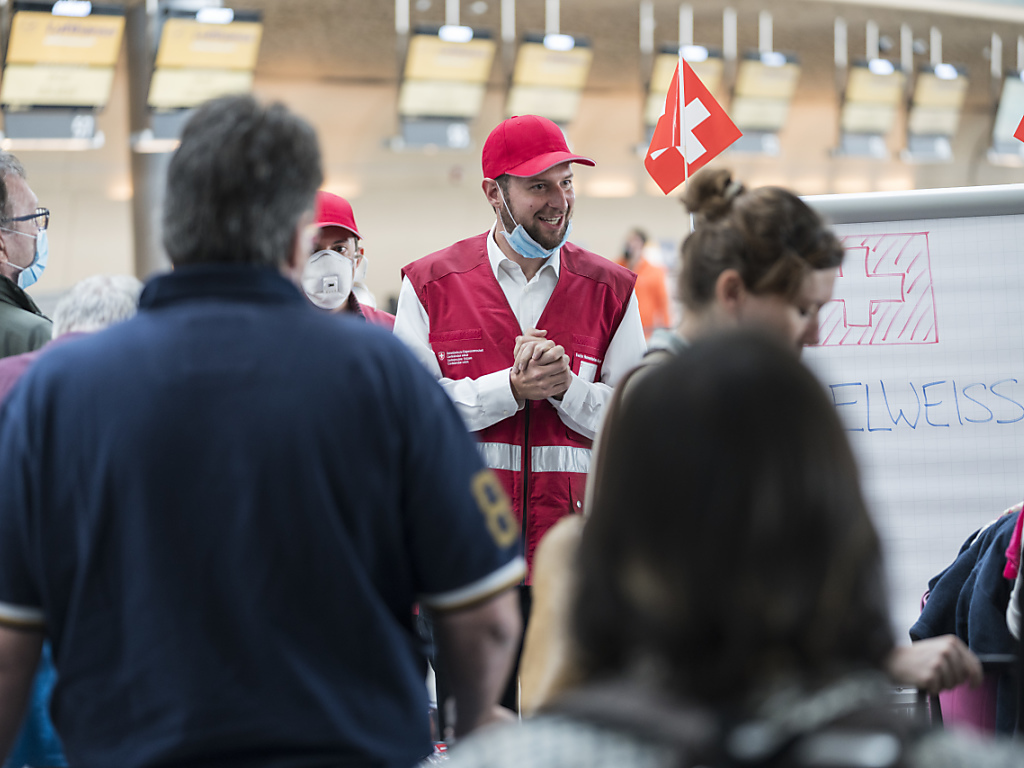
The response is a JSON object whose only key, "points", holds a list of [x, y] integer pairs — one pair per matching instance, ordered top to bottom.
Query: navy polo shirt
{"points": [[222, 512]]}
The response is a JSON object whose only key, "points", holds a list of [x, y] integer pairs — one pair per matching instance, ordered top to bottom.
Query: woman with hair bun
{"points": [[759, 258]]}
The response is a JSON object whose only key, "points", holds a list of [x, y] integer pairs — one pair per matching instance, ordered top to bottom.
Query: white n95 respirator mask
{"points": [[327, 279]]}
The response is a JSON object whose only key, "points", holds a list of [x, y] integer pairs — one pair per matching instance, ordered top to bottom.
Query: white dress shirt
{"points": [[488, 399]]}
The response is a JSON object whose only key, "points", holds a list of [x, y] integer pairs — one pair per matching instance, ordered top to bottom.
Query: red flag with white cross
{"points": [[687, 139]]}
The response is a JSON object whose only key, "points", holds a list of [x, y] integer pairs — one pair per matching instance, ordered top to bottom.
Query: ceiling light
{"points": [[77, 8], [215, 15], [451, 33], [559, 42], [693, 53], [881, 67], [10, 144]]}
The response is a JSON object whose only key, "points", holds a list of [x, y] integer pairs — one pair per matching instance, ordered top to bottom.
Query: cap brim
{"points": [[541, 163], [322, 224]]}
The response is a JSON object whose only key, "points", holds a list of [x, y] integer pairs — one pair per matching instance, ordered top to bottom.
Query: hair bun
{"points": [[711, 193]]}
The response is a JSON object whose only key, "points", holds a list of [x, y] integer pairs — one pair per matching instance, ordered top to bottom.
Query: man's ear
{"points": [[493, 194], [730, 291]]}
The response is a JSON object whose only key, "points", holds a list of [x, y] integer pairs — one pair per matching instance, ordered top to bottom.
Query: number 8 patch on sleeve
{"points": [[495, 507]]}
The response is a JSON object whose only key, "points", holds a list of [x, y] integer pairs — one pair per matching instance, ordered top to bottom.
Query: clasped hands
{"points": [[540, 369]]}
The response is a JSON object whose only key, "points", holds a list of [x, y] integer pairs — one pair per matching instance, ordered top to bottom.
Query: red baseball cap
{"points": [[526, 145], [335, 211]]}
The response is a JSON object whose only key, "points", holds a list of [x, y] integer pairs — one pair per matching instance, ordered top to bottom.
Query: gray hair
{"points": [[9, 165], [239, 184], [95, 303]]}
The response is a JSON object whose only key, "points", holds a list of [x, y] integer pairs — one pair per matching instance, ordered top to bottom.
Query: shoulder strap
{"points": [[837, 728], [691, 730]]}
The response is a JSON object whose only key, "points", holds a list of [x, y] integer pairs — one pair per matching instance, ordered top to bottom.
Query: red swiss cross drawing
{"points": [[708, 131], [883, 294]]}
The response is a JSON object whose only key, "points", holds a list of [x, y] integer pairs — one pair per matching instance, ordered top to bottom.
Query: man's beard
{"points": [[543, 238]]}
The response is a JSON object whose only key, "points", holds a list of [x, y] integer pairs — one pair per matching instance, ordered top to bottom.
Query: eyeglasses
{"points": [[41, 218]]}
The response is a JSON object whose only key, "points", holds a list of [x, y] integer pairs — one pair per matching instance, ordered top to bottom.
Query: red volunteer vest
{"points": [[378, 317], [540, 461]]}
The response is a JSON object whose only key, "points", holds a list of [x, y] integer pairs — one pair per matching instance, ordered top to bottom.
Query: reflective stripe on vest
{"points": [[501, 456], [559, 458]]}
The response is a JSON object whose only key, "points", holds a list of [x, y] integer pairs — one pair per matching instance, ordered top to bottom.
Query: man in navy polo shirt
{"points": [[223, 550]]}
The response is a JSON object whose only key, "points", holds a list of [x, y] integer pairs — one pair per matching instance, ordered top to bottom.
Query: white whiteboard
{"points": [[923, 354]]}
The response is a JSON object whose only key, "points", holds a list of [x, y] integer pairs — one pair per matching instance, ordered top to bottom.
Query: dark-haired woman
{"points": [[730, 608]]}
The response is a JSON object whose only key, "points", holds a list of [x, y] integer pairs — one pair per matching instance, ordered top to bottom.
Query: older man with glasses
{"points": [[23, 252]]}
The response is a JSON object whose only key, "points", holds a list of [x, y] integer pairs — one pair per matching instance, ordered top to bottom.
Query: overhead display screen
{"points": [[192, 44], [61, 61], [198, 61]]}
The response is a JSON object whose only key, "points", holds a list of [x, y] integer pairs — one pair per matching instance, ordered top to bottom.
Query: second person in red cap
{"points": [[330, 274]]}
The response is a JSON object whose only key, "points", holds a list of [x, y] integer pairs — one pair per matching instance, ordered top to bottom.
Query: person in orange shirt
{"points": [[651, 290]]}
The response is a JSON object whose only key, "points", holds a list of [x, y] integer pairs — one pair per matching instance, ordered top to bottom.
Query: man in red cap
{"points": [[330, 274], [525, 331]]}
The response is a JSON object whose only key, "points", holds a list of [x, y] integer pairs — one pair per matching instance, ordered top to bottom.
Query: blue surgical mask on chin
{"points": [[525, 245], [30, 275]]}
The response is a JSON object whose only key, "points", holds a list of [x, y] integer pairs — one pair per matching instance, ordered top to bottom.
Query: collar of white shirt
{"points": [[498, 259]]}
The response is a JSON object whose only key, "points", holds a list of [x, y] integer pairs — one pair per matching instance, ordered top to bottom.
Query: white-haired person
{"points": [[91, 305]]}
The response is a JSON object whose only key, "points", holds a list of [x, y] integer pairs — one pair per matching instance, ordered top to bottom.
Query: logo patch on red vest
{"points": [[456, 357]]}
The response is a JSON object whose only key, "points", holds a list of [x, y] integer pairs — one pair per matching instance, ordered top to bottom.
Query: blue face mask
{"points": [[525, 245], [30, 275]]}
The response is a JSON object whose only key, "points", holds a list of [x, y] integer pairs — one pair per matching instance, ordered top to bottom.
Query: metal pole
{"points": [[402, 17], [551, 20], [685, 24], [646, 27], [764, 32], [508, 35], [840, 36], [871, 38], [730, 45], [907, 54], [842, 56], [149, 171]]}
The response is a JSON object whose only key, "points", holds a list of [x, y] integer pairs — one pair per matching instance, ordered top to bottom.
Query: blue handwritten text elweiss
{"points": [[888, 405]]}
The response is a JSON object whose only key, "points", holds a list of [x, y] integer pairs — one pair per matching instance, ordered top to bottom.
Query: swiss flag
{"points": [[708, 131], [1019, 133]]}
